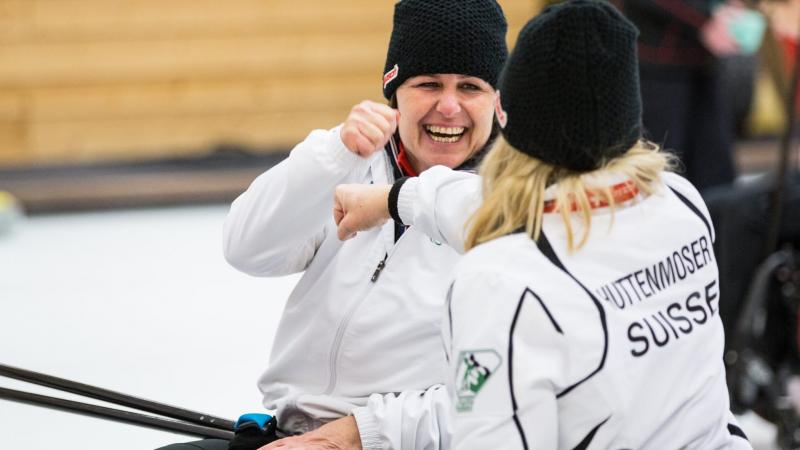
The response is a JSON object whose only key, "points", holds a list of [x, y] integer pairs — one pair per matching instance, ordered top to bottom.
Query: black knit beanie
{"points": [[465, 37], [570, 90]]}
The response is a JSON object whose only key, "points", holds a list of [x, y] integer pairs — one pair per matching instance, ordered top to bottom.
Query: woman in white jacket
{"points": [[585, 313], [360, 333]]}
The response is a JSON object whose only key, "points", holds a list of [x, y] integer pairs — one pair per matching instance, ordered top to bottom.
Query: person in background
{"points": [[686, 108], [585, 313], [359, 339]]}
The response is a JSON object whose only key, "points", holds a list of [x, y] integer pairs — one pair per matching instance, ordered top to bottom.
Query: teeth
{"points": [[452, 131], [444, 139]]}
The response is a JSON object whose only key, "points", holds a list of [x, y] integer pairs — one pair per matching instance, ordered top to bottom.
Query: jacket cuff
{"points": [[336, 154], [394, 192], [406, 199], [367, 429]]}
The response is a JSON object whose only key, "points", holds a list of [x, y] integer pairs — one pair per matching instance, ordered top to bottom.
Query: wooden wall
{"points": [[84, 81]]}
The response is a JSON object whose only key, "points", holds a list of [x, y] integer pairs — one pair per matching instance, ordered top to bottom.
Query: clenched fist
{"points": [[368, 127], [358, 207]]}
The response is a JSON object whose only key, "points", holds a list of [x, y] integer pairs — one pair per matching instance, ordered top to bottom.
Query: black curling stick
{"points": [[118, 398], [102, 412]]}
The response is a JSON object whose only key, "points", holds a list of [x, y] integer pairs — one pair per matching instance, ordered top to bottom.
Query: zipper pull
{"points": [[378, 269]]}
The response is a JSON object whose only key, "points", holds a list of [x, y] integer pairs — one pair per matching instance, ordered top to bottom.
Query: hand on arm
{"points": [[438, 203], [359, 207], [341, 434]]}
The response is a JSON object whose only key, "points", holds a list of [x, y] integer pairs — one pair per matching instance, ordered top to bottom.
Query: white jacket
{"points": [[353, 339], [617, 345]]}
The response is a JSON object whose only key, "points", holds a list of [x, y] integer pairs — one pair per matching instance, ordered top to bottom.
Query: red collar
{"points": [[404, 163], [621, 192]]}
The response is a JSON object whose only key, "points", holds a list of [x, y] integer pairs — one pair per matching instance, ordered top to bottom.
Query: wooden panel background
{"points": [[85, 81]]}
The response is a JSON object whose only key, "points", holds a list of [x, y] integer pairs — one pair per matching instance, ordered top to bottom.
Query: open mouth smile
{"points": [[446, 135]]}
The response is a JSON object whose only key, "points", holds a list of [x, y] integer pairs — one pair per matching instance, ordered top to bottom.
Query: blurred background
{"points": [[136, 102], [139, 102], [128, 126]]}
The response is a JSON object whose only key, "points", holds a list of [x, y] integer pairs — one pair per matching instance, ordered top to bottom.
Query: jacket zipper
{"points": [[393, 172], [379, 269], [337, 340]]}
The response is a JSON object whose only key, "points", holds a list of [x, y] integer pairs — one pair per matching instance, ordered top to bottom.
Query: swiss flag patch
{"points": [[390, 75]]}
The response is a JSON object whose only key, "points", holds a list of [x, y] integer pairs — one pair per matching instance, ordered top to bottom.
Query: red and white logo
{"points": [[390, 75], [502, 117]]}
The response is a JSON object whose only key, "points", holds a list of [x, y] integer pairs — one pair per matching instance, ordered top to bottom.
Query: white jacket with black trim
{"points": [[353, 338], [615, 346]]}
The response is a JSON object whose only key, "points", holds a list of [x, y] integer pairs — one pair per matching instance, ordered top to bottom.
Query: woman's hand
{"points": [[368, 127], [359, 207], [341, 434]]}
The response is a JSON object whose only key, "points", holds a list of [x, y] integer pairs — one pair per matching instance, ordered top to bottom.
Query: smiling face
{"points": [[444, 118]]}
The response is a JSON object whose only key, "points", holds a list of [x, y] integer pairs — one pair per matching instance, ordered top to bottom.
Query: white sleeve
{"points": [[439, 202], [275, 226], [500, 398], [413, 420]]}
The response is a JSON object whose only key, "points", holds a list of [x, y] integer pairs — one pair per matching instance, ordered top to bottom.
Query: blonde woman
{"points": [[585, 312]]}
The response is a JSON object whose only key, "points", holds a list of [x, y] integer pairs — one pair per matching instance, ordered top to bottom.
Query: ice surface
{"points": [[138, 301]]}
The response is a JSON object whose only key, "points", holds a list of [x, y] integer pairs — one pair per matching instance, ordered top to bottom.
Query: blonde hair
{"points": [[514, 185]]}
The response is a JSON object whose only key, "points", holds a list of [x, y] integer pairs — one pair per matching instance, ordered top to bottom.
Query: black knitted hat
{"points": [[466, 37], [570, 90]]}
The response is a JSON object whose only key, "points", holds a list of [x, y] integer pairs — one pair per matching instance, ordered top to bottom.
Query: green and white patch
{"points": [[474, 369]]}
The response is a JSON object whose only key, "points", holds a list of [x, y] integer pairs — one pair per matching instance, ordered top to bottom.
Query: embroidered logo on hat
{"points": [[390, 75], [502, 116]]}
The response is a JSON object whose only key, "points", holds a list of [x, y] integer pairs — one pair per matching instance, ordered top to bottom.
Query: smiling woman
{"points": [[443, 61], [444, 118]]}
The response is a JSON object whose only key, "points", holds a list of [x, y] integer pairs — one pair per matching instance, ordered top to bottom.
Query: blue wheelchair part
{"points": [[253, 419]]}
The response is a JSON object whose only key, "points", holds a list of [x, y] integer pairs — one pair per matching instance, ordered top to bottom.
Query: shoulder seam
{"points": [[689, 204]]}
